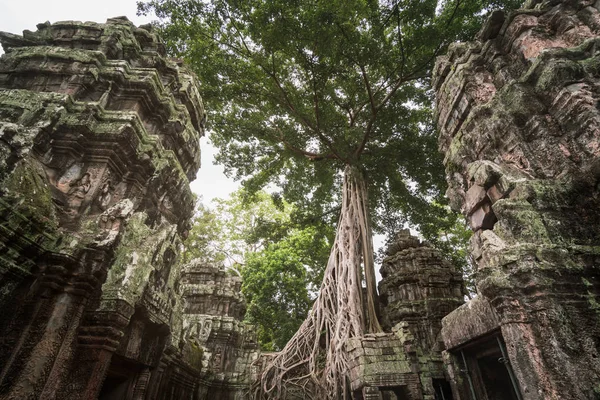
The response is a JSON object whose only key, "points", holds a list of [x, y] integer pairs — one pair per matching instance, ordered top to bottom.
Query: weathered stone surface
{"points": [[518, 116], [99, 138], [418, 287], [417, 290], [212, 321], [470, 321], [381, 361]]}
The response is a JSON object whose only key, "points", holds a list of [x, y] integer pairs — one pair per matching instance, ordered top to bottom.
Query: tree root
{"points": [[314, 363]]}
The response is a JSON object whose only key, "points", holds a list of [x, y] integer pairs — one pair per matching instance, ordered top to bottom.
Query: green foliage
{"points": [[297, 89], [248, 222], [236, 226], [450, 233], [204, 239], [281, 263], [275, 285]]}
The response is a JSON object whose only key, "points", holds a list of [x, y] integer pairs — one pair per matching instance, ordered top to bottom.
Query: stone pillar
{"points": [[520, 127], [214, 313], [99, 337]]}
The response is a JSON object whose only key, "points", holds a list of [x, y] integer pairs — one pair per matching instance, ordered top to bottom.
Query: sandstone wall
{"points": [[519, 123], [418, 288]]}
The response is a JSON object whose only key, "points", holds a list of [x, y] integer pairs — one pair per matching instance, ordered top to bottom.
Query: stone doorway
{"points": [[487, 370], [120, 379], [496, 380], [442, 388], [401, 392], [395, 393]]}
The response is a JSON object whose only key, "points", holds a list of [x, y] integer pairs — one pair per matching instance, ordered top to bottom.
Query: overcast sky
{"points": [[18, 15]]}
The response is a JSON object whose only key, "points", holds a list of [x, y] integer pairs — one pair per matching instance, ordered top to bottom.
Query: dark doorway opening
{"points": [[487, 370], [495, 377], [120, 379], [114, 387], [443, 390], [395, 393]]}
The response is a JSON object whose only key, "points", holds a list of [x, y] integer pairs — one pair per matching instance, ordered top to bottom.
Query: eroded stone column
{"points": [[519, 123], [213, 326]]}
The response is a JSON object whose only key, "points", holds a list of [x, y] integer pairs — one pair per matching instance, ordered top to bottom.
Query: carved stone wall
{"points": [[519, 123], [99, 138], [417, 290], [212, 322]]}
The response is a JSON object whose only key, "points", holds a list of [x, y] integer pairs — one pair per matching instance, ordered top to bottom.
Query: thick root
{"points": [[314, 364]]}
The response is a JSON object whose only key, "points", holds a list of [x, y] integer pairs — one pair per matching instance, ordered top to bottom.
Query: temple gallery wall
{"points": [[99, 139]]}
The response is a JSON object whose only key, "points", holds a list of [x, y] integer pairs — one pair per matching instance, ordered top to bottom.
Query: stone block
{"points": [[475, 197], [483, 217]]}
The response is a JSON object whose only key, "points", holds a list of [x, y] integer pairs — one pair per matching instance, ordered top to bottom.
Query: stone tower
{"points": [[519, 124], [99, 139], [418, 289], [213, 318]]}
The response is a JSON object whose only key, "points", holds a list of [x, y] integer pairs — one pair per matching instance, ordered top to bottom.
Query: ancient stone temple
{"points": [[519, 122], [99, 139], [418, 289], [213, 323]]}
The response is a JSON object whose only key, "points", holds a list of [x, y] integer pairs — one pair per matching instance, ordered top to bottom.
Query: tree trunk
{"points": [[314, 364]]}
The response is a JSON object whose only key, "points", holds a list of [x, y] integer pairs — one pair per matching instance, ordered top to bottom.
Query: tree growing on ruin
{"points": [[315, 96]]}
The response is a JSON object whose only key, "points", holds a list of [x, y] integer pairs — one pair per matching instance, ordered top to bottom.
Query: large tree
{"points": [[317, 95]]}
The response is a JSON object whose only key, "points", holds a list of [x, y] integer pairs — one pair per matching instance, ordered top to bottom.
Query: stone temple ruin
{"points": [[519, 123], [99, 139]]}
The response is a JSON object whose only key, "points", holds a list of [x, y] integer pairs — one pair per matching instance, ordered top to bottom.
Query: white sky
{"points": [[18, 15]]}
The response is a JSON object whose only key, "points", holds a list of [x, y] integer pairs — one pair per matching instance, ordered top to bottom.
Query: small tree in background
{"points": [[278, 282]]}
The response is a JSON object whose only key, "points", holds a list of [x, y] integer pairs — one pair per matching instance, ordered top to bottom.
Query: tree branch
{"points": [[368, 87], [324, 139], [308, 154]]}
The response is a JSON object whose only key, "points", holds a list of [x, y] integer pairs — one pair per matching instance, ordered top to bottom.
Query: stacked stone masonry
{"points": [[519, 122], [99, 138], [418, 289]]}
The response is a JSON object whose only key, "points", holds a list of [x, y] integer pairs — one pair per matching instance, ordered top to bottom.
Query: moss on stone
{"points": [[59, 53], [28, 191]]}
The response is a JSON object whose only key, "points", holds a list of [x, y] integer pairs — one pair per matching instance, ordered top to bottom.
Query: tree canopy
{"points": [[290, 85], [314, 95]]}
